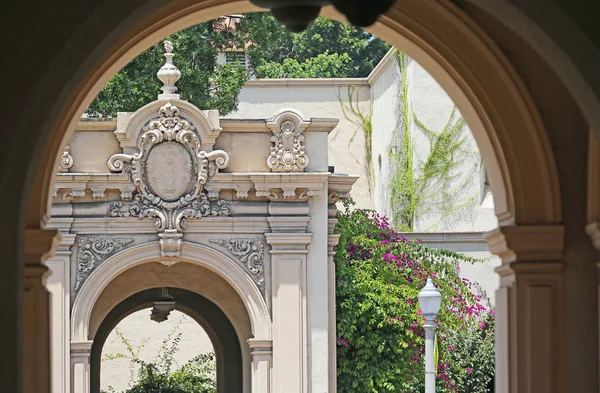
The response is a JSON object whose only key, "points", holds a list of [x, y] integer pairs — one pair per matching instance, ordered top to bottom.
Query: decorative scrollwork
{"points": [[287, 149], [169, 173], [92, 251], [250, 253]]}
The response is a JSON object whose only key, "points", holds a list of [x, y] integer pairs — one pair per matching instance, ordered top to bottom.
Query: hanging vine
{"points": [[353, 113], [434, 186]]}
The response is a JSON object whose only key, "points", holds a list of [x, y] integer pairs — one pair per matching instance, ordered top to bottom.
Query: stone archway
{"points": [[516, 139], [200, 270], [225, 342]]}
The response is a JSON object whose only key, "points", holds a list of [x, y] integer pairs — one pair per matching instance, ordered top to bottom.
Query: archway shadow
{"points": [[217, 326]]}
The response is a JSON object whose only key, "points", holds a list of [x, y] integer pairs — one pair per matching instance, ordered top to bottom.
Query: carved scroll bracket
{"points": [[92, 251], [250, 253]]}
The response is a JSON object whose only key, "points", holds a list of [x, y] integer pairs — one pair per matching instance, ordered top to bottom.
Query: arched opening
{"points": [[507, 134], [217, 326]]}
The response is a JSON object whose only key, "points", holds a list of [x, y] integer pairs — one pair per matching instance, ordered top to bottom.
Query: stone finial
{"points": [[168, 73]]}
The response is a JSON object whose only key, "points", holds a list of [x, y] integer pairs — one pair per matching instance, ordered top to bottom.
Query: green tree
{"points": [[270, 43], [328, 49], [202, 82]]}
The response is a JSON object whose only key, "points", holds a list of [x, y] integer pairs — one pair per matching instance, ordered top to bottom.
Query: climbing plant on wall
{"points": [[352, 111], [434, 186]]}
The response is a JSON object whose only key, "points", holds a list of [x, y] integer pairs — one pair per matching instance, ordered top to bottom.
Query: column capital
{"points": [[290, 242], [332, 242], [527, 243], [40, 245], [260, 347], [81, 348]]}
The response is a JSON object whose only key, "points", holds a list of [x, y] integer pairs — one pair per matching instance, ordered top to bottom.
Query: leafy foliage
{"points": [[328, 49], [348, 51], [202, 83], [380, 335], [158, 376]]}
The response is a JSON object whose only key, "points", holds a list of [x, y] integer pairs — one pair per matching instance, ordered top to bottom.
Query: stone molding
{"points": [[129, 126], [288, 153], [271, 186], [294, 243], [527, 243], [40, 245], [92, 251], [250, 252], [212, 259]]}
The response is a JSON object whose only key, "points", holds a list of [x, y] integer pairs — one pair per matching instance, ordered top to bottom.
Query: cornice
{"points": [[381, 66], [305, 82], [316, 124], [96, 125], [527, 243]]}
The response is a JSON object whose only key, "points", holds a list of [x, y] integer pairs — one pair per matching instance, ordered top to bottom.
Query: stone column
{"points": [[593, 212], [288, 242], [332, 242], [39, 246], [58, 285], [529, 309], [262, 356], [80, 366]]}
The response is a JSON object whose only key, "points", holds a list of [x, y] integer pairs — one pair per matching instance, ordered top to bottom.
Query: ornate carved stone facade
{"points": [[288, 153], [169, 172], [92, 251], [250, 252]]}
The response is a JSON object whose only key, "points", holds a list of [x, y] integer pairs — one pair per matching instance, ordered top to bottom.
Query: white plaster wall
{"points": [[385, 95], [432, 106], [346, 142], [137, 327]]}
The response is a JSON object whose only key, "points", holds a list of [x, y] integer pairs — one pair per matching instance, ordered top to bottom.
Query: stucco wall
{"points": [[317, 99], [431, 106]]}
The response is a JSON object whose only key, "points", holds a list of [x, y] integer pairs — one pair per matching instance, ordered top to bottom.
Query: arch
{"points": [[465, 62], [222, 265], [219, 329]]}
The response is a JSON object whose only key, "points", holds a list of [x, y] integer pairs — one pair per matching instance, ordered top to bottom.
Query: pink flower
{"points": [[469, 370]]}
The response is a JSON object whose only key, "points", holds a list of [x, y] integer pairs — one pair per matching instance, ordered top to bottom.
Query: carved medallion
{"points": [[169, 170]]}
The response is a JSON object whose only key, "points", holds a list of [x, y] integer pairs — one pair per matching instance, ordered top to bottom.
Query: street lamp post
{"points": [[429, 300]]}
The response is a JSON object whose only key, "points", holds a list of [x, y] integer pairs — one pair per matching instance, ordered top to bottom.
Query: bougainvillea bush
{"points": [[380, 344]]}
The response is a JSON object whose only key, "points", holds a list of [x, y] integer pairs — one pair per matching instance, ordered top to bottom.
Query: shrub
{"points": [[379, 323], [195, 376]]}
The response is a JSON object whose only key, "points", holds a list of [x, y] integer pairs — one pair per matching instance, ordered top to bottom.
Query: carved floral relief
{"points": [[92, 251], [250, 253]]}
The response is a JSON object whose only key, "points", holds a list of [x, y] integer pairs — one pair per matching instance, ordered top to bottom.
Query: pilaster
{"points": [[39, 246], [288, 277], [58, 284], [529, 308], [262, 358], [80, 366]]}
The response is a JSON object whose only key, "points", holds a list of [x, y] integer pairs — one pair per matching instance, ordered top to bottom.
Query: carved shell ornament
{"points": [[287, 150]]}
